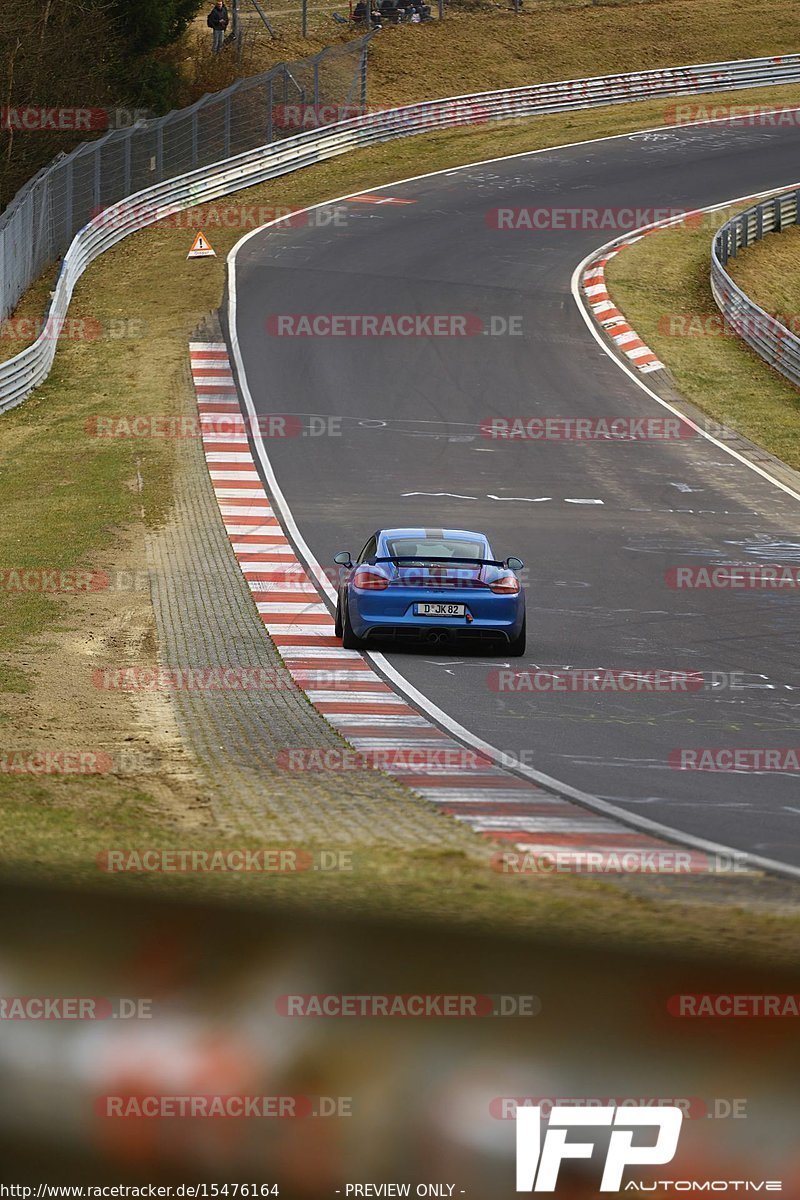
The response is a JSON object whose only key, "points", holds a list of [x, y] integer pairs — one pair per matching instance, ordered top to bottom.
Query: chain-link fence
{"points": [[260, 21], [42, 219]]}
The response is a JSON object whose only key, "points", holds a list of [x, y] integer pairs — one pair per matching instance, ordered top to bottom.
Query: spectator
{"points": [[389, 10], [414, 10], [361, 12], [218, 23]]}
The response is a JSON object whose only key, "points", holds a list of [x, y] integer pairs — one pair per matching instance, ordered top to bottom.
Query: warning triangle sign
{"points": [[201, 248]]}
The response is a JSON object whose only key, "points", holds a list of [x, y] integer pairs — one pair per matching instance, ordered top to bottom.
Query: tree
{"points": [[152, 24], [56, 53]]}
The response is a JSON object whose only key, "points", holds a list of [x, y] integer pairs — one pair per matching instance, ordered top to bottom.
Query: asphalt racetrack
{"points": [[599, 524]]}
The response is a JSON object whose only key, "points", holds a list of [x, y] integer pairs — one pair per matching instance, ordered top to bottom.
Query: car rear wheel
{"points": [[349, 639], [516, 648]]}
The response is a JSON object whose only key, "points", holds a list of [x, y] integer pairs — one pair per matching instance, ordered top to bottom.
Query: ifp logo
{"points": [[538, 1163]]}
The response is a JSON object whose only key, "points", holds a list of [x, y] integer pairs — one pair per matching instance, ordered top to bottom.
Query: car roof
{"points": [[434, 532]]}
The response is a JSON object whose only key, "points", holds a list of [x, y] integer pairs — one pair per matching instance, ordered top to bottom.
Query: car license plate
{"points": [[433, 609]]}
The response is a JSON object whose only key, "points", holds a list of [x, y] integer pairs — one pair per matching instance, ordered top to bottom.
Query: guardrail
{"points": [[770, 339], [20, 375]]}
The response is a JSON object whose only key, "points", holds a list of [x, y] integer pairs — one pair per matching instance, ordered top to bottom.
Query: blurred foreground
{"points": [[186, 1007]]}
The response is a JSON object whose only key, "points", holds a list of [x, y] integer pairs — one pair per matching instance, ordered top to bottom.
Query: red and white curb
{"points": [[610, 318], [369, 714]]}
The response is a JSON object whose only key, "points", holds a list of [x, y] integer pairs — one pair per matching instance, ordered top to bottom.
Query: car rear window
{"points": [[435, 548]]}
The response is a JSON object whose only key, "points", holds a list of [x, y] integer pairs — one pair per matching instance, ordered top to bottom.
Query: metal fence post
{"points": [[305, 18], [363, 74], [127, 157], [96, 181], [68, 197], [722, 249], [40, 252], [5, 307]]}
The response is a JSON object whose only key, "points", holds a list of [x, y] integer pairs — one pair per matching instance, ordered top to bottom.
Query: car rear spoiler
{"points": [[429, 558]]}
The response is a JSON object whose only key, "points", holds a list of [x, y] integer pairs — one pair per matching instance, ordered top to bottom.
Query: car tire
{"points": [[337, 625], [350, 640], [516, 647]]}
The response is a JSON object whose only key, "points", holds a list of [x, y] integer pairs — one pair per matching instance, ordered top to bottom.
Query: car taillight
{"points": [[370, 581], [506, 585]]}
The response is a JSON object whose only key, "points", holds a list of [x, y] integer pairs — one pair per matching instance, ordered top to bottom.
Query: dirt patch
{"points": [[131, 739]]}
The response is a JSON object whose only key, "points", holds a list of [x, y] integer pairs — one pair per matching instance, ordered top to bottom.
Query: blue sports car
{"points": [[434, 585]]}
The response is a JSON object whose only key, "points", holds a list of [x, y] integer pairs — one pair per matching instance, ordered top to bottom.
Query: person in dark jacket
{"points": [[408, 8], [218, 23]]}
